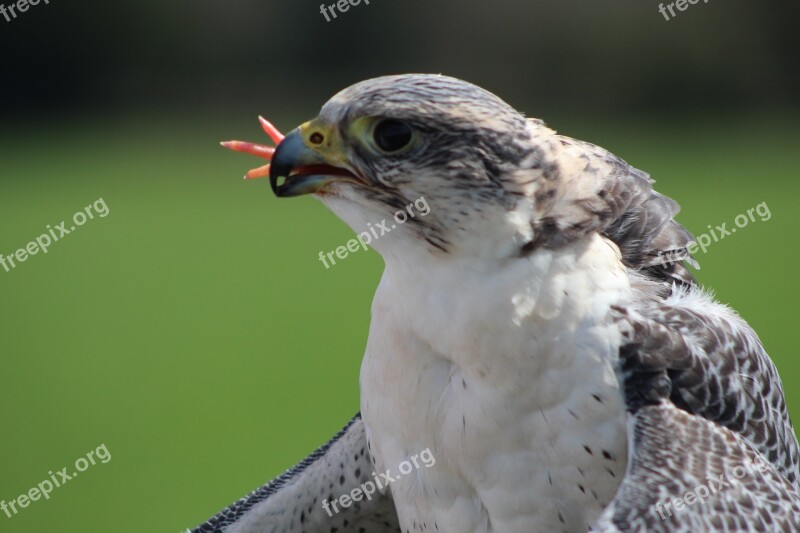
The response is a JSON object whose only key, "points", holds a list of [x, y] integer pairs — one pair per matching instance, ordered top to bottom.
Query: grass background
{"points": [[195, 333]]}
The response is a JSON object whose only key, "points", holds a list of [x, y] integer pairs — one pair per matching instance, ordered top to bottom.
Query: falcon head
{"points": [[398, 143], [494, 184]]}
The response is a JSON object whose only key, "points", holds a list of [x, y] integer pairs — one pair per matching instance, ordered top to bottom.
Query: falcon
{"points": [[537, 333]]}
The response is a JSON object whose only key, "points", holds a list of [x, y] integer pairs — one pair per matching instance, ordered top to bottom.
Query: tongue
{"points": [[324, 170]]}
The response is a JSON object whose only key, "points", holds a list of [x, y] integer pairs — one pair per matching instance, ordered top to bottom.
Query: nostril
{"points": [[316, 138]]}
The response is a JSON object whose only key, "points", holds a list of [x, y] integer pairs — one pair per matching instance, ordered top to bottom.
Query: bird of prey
{"points": [[528, 333]]}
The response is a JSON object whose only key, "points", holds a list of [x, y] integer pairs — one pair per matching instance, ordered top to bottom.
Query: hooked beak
{"points": [[295, 168], [303, 170]]}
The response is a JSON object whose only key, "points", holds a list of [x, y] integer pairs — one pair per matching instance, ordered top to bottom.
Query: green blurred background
{"points": [[193, 330]]}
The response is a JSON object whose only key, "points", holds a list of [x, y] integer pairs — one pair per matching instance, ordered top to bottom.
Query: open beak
{"points": [[294, 167]]}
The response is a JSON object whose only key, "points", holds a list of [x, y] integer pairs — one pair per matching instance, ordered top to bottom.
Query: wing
{"points": [[707, 361], [711, 446], [687, 474], [294, 501]]}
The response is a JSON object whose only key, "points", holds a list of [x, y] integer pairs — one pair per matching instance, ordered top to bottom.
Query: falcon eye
{"points": [[392, 135]]}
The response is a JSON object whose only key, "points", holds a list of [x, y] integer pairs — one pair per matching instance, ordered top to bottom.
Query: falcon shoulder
{"points": [[588, 189], [293, 501]]}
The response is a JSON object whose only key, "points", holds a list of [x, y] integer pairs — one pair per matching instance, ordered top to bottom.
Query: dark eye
{"points": [[392, 135]]}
